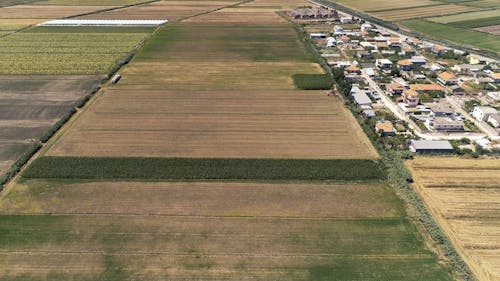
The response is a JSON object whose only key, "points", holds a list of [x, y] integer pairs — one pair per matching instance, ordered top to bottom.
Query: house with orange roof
{"points": [[439, 50], [405, 65], [353, 69], [495, 77], [447, 79], [395, 88], [422, 88], [410, 97], [385, 128]]}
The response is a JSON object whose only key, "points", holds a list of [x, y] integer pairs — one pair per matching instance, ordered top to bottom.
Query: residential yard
{"points": [[463, 195]]}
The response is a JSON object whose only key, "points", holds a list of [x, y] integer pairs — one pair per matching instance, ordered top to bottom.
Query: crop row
{"points": [[203, 169]]}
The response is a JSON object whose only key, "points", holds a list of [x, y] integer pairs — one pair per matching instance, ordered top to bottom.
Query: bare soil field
{"points": [[170, 10], [46, 11], [422, 12], [494, 29], [29, 105], [229, 124], [464, 196], [209, 231]]}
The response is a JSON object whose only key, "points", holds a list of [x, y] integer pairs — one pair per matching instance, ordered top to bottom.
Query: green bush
{"points": [[312, 81], [203, 169]]}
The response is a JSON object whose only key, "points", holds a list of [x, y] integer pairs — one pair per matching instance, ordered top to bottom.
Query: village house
{"points": [[345, 20], [439, 50], [408, 51], [418, 60], [383, 63], [405, 65], [468, 68], [495, 77], [447, 79], [395, 88], [425, 88], [457, 90], [410, 97], [441, 109], [481, 113], [494, 120], [445, 124], [385, 128]]}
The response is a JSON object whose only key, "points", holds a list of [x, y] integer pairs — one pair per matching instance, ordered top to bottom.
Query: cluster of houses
{"points": [[313, 13], [417, 76]]}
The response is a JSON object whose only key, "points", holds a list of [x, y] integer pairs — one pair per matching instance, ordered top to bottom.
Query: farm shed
{"points": [[426, 146]]}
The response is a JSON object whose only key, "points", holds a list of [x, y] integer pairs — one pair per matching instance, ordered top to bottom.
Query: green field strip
{"points": [[477, 23], [455, 34], [203, 169], [371, 249]]}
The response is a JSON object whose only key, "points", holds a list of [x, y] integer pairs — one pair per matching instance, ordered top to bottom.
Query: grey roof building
{"points": [[426, 146]]}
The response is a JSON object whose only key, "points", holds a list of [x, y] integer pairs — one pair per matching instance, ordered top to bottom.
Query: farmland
{"points": [[378, 5], [171, 10], [46, 11], [422, 12], [468, 23], [451, 33], [47, 50], [31, 105], [230, 124], [206, 162], [463, 194], [274, 231]]}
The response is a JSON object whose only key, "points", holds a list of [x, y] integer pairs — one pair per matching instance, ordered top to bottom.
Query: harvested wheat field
{"points": [[170, 10], [46, 11], [241, 14], [228, 124], [464, 196]]}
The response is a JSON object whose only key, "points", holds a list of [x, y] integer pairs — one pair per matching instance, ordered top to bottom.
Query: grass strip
{"points": [[203, 169]]}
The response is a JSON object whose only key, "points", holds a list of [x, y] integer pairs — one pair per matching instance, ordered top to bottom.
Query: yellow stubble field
{"points": [[464, 197]]}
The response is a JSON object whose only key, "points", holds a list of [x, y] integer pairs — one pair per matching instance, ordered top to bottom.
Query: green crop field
{"points": [[456, 34], [66, 51], [191, 168]]}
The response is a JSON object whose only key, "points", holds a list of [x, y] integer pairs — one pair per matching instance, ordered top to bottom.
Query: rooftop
{"points": [[447, 76], [426, 87], [427, 144]]}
